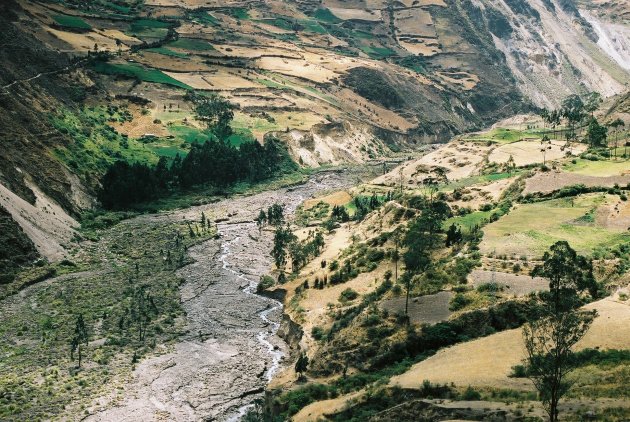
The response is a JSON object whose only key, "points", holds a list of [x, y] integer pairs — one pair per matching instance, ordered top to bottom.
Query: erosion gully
{"points": [[231, 349]]}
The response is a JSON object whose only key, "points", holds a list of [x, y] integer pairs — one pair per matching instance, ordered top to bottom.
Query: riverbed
{"points": [[231, 349]]}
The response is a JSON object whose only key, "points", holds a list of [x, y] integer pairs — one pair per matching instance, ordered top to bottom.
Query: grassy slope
{"points": [[531, 228], [35, 333]]}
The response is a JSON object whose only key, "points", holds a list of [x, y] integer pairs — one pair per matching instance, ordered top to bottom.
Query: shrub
{"points": [[265, 283], [489, 287], [348, 295], [459, 301], [318, 333], [518, 371], [470, 394]]}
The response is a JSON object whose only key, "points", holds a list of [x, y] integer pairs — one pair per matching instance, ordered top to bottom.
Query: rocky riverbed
{"points": [[231, 349]]}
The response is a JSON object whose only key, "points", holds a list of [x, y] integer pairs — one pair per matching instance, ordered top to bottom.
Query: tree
{"points": [[592, 102], [573, 110], [216, 112], [615, 124], [596, 134], [545, 145], [510, 165], [275, 215], [261, 219], [453, 235], [421, 240], [281, 241], [396, 252], [567, 273], [142, 310], [79, 338], [550, 338], [301, 365]]}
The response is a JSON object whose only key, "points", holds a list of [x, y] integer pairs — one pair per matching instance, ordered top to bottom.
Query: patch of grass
{"points": [[239, 13], [325, 15], [204, 18], [71, 22], [279, 22], [140, 24], [311, 25], [149, 28], [193, 44], [167, 52], [378, 53], [139, 72], [254, 124], [190, 134], [503, 135], [241, 136], [95, 144], [168, 151], [597, 168], [469, 221], [531, 228], [601, 380]]}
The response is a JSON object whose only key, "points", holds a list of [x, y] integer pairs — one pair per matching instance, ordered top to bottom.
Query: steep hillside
{"points": [[337, 81]]}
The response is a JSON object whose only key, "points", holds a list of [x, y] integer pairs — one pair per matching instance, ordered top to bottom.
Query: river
{"points": [[231, 349]]}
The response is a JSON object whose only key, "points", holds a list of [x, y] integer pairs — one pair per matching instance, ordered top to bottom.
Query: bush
{"points": [[265, 283], [489, 287], [348, 295], [459, 301], [318, 333], [518, 371], [470, 394]]}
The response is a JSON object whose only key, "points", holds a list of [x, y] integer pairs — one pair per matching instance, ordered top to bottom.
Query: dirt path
{"points": [[231, 350]]}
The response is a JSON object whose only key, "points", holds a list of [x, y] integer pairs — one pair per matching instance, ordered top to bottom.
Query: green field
{"points": [[239, 13], [325, 15], [203, 18], [71, 22], [279, 23], [311, 25], [149, 28], [192, 44], [167, 52], [378, 52], [137, 71], [255, 124], [189, 134], [502, 135], [240, 136], [96, 145], [168, 151], [602, 168], [468, 221], [529, 229]]}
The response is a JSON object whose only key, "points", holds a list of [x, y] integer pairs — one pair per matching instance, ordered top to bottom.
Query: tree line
{"points": [[578, 112], [215, 162]]}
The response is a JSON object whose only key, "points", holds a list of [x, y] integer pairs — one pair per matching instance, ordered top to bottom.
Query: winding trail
{"points": [[231, 349]]}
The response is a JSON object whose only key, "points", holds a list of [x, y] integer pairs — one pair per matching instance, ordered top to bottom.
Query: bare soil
{"points": [[428, 309]]}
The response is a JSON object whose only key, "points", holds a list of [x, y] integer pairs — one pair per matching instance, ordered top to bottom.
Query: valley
{"points": [[362, 210]]}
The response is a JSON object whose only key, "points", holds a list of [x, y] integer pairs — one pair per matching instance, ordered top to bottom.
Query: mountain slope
{"points": [[338, 81]]}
